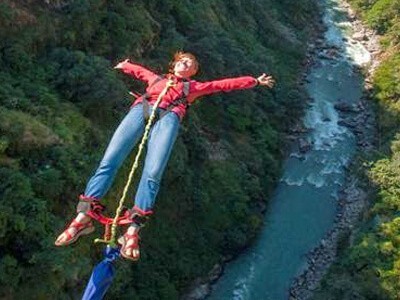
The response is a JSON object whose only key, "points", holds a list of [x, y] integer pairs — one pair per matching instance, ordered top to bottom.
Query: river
{"points": [[303, 207]]}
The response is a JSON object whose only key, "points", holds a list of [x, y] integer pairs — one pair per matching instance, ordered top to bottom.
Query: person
{"points": [[172, 108]]}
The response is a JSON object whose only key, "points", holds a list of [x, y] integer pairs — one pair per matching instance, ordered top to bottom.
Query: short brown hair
{"points": [[180, 54]]}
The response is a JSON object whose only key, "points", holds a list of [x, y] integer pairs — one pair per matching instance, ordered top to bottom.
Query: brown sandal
{"points": [[81, 229], [134, 245]]}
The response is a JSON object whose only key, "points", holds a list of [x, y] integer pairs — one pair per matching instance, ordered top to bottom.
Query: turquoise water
{"points": [[303, 206]]}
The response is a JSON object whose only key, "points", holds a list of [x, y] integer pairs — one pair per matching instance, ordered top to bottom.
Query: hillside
{"points": [[61, 100]]}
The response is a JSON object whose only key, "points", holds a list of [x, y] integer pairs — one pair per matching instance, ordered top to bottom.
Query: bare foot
{"points": [[81, 225], [130, 248]]}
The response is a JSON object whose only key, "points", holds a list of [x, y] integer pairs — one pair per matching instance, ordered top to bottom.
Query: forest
{"points": [[61, 100], [369, 264]]}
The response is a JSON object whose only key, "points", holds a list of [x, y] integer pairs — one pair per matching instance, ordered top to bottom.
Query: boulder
{"points": [[304, 145]]}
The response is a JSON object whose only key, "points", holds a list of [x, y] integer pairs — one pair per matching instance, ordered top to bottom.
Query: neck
{"points": [[180, 76]]}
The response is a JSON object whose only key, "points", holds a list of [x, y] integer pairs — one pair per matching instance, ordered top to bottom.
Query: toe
{"points": [[59, 239]]}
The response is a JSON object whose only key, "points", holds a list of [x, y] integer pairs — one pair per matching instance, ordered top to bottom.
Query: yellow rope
{"points": [[114, 226]]}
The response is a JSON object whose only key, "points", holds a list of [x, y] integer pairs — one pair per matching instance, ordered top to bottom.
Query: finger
{"points": [[120, 64]]}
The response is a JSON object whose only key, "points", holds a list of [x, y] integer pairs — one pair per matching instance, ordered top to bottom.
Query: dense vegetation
{"points": [[60, 101], [370, 268]]}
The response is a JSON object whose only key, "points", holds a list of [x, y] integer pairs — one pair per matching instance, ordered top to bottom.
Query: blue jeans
{"points": [[159, 147]]}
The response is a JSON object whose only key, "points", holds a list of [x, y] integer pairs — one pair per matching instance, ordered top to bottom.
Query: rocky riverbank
{"points": [[359, 118]]}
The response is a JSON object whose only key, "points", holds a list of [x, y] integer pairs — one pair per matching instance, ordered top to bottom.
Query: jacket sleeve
{"points": [[138, 72], [223, 85]]}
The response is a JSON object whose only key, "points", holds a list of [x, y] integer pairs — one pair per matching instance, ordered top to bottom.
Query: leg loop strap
{"points": [[87, 204], [139, 217]]}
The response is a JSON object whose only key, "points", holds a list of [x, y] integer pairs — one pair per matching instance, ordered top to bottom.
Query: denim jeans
{"points": [[159, 147]]}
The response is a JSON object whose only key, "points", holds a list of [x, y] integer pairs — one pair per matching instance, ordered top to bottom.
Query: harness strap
{"points": [[182, 100], [145, 101], [163, 112], [86, 204], [138, 218]]}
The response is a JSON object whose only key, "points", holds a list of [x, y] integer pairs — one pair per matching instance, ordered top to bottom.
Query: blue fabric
{"points": [[161, 140], [159, 147], [102, 276]]}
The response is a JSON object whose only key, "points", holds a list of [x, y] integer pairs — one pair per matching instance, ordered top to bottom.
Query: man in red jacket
{"points": [[171, 110]]}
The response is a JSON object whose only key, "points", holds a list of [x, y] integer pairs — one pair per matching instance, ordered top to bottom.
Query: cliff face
{"points": [[61, 100]]}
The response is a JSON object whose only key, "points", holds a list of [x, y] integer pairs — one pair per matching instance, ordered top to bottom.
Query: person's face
{"points": [[185, 67]]}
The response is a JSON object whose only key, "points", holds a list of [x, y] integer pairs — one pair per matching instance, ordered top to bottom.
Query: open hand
{"points": [[121, 64], [266, 80]]}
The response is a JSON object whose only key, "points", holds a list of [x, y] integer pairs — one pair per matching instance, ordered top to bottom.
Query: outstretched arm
{"points": [[136, 71], [226, 85]]}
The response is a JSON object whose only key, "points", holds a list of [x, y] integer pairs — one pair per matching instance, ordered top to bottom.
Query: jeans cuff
{"points": [[88, 198], [141, 211]]}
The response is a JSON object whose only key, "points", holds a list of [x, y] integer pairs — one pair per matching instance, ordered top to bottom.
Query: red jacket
{"points": [[196, 89]]}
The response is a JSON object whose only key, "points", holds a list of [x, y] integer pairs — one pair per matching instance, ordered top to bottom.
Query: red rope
{"points": [[96, 215]]}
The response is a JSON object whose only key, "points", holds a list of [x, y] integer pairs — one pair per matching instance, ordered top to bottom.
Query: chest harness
{"points": [[161, 112]]}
